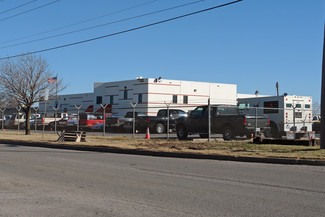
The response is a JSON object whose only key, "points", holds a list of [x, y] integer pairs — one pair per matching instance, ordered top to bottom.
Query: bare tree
{"points": [[22, 79], [316, 108]]}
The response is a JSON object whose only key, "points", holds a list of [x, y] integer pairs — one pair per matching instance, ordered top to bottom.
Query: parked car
{"points": [[47, 118], [316, 118], [15, 119], [3, 120], [225, 120], [86, 121], [67, 122], [72, 122], [316, 123], [157, 124], [316, 126], [97, 127]]}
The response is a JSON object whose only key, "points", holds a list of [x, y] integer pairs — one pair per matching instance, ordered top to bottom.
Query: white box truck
{"points": [[289, 115]]}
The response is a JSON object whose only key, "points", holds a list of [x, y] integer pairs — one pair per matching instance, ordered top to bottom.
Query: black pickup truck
{"points": [[225, 120], [157, 124]]}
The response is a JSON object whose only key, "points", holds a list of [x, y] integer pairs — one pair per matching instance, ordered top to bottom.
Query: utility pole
{"points": [[209, 120], [322, 129]]}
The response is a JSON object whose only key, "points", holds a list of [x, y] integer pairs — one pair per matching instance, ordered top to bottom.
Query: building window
{"points": [[125, 94], [140, 98], [174, 98], [185, 99], [99, 100], [111, 100], [273, 105], [288, 105], [307, 106]]}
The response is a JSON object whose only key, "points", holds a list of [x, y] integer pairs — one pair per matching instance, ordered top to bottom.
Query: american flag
{"points": [[52, 80]]}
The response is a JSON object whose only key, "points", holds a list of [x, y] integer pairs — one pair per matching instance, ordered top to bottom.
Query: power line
{"points": [[19, 6], [30, 10], [81, 22], [101, 25], [124, 31]]}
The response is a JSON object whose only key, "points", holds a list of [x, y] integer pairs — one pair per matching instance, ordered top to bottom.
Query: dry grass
{"points": [[232, 148]]}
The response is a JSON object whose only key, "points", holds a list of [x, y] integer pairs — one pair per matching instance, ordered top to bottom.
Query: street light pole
{"points": [[322, 129]]}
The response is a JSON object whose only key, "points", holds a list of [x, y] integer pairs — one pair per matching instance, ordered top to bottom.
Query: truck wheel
{"points": [[159, 128], [181, 132], [273, 132], [228, 133]]}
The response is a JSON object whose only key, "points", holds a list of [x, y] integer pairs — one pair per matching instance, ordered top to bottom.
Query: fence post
{"points": [[18, 109], [55, 113], [104, 113], [2, 115], [78, 116], [168, 117], [35, 119], [133, 125]]}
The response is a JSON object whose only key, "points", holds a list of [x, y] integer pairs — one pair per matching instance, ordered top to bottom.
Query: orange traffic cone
{"points": [[148, 134]]}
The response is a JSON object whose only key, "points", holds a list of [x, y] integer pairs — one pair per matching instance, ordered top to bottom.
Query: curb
{"points": [[289, 161]]}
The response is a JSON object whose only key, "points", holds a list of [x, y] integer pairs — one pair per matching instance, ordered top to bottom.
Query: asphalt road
{"points": [[51, 182]]}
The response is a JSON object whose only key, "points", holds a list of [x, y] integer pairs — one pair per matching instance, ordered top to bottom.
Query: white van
{"points": [[15, 119]]}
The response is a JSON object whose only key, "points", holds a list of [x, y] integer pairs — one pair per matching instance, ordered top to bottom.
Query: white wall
{"points": [[155, 94], [68, 102]]}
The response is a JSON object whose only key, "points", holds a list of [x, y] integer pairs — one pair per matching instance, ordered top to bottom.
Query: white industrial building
{"points": [[150, 94]]}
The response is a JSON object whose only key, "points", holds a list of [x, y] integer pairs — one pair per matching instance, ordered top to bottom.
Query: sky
{"points": [[252, 43]]}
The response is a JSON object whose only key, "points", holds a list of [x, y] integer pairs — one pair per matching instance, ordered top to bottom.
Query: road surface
{"points": [[51, 182]]}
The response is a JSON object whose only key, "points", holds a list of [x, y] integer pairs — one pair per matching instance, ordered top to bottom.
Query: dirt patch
{"points": [[241, 148]]}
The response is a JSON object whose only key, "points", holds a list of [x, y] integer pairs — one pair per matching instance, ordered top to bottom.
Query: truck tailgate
{"points": [[262, 122]]}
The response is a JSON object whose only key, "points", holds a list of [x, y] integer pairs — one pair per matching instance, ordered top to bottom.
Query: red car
{"points": [[88, 120]]}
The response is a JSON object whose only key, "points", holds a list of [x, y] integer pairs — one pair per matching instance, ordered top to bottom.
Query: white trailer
{"points": [[289, 115]]}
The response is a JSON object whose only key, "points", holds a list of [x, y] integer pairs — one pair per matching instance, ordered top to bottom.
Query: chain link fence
{"points": [[170, 120]]}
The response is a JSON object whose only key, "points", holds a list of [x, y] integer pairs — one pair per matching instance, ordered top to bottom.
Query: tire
{"points": [[160, 128], [181, 132], [273, 132], [228, 133], [204, 136]]}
